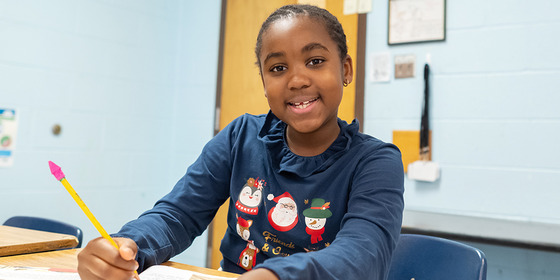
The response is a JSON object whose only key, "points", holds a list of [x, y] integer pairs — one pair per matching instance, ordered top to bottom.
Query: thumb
{"points": [[127, 248]]}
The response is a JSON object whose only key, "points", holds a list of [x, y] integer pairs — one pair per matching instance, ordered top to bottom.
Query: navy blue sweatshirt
{"points": [[336, 215]]}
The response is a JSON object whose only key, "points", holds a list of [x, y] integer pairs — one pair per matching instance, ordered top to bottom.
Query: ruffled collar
{"points": [[282, 159]]}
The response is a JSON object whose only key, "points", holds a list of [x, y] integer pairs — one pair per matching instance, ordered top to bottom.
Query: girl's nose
{"points": [[299, 79]]}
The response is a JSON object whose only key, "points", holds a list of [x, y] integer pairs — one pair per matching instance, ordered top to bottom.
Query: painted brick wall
{"points": [[132, 83], [494, 117]]}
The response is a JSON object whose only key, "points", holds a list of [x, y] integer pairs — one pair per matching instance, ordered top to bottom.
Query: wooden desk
{"points": [[14, 241], [67, 259]]}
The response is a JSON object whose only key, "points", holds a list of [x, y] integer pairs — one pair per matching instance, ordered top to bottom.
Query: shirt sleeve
{"points": [[175, 220], [369, 230]]}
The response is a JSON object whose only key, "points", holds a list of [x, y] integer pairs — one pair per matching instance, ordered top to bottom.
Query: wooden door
{"points": [[240, 88]]}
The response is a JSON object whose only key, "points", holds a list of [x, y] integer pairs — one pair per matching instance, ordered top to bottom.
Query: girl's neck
{"points": [[314, 143]]}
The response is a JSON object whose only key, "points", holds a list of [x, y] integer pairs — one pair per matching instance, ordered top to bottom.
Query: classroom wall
{"points": [[131, 83], [494, 118]]}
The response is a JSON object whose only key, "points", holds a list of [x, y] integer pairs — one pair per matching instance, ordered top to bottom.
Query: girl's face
{"points": [[302, 74]]}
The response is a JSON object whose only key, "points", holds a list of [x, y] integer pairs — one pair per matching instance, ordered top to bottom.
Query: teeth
{"points": [[303, 105]]}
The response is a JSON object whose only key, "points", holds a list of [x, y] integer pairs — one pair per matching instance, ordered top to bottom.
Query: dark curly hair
{"points": [[331, 23]]}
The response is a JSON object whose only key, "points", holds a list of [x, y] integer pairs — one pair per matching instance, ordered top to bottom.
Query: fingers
{"points": [[127, 248], [108, 253], [127, 253], [100, 260]]}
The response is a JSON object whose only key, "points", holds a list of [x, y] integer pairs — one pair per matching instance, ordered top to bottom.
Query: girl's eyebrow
{"points": [[311, 46], [307, 48], [273, 55]]}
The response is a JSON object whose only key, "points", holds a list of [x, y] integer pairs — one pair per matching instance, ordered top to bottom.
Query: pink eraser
{"points": [[56, 171]]}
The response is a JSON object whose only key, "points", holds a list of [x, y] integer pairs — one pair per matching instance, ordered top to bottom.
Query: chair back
{"points": [[44, 224], [427, 257]]}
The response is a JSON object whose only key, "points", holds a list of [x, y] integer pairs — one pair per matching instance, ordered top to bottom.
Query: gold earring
{"points": [[345, 83]]}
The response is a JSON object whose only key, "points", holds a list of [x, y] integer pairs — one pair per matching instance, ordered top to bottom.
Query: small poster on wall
{"points": [[404, 66], [380, 69], [8, 130]]}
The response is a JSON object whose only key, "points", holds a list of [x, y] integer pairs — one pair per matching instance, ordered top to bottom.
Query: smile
{"points": [[303, 105]]}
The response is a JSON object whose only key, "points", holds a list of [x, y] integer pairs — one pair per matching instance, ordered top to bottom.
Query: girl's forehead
{"points": [[288, 22], [292, 24], [295, 31]]}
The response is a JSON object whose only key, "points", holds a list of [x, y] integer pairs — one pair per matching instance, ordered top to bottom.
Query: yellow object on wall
{"points": [[408, 141]]}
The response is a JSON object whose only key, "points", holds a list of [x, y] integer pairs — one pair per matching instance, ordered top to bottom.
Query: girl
{"points": [[310, 196]]}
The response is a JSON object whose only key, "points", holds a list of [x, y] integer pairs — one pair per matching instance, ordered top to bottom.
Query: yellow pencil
{"points": [[59, 175]]}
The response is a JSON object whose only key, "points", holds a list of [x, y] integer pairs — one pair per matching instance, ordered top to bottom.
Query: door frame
{"points": [[359, 78]]}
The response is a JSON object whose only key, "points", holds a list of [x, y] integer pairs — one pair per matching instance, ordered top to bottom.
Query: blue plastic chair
{"points": [[43, 224], [427, 257]]}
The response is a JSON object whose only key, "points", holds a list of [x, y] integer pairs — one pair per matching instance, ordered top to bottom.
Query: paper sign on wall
{"points": [[356, 7], [404, 66], [380, 67], [8, 130]]}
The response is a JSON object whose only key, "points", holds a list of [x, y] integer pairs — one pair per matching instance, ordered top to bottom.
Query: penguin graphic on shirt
{"points": [[250, 196]]}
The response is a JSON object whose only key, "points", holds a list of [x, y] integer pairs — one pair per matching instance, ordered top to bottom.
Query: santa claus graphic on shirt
{"points": [[284, 216]]}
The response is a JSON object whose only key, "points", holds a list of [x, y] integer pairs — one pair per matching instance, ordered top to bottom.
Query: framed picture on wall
{"points": [[415, 21]]}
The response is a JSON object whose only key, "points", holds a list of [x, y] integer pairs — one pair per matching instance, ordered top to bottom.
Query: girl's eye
{"points": [[315, 61], [278, 68]]}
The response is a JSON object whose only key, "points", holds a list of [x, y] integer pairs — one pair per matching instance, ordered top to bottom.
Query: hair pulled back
{"points": [[331, 23]]}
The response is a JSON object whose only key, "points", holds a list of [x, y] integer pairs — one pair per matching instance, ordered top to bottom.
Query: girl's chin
{"points": [[304, 127]]}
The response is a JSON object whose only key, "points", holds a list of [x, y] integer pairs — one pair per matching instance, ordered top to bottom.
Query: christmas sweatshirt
{"points": [[336, 215]]}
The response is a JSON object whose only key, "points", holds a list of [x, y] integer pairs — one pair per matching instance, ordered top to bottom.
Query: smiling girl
{"points": [[326, 201]]}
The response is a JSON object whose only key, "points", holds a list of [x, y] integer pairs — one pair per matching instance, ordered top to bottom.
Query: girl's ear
{"points": [[348, 70], [264, 87]]}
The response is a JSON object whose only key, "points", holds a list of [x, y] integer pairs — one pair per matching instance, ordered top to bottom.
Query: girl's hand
{"points": [[100, 260], [259, 273]]}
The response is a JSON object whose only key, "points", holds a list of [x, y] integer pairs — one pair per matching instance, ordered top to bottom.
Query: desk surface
{"points": [[14, 241], [67, 259]]}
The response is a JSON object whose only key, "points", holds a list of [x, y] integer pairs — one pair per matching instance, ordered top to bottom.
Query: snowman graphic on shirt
{"points": [[284, 216], [316, 218]]}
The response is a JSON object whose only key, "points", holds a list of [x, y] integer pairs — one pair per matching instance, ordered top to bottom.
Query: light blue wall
{"points": [[132, 83], [495, 118]]}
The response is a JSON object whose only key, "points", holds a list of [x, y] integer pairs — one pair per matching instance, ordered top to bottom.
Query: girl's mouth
{"points": [[303, 105]]}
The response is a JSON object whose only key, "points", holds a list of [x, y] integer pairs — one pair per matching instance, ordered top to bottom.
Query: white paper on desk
{"points": [[156, 272], [162, 272], [34, 273]]}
